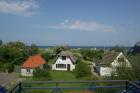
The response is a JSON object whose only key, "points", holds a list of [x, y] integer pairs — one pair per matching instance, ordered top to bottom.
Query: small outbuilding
{"points": [[30, 64]]}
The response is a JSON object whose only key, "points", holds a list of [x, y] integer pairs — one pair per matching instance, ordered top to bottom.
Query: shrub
{"points": [[9, 67], [82, 70], [40, 73]]}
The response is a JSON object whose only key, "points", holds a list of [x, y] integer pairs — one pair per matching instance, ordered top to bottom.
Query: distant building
{"points": [[65, 61], [109, 62], [30, 64]]}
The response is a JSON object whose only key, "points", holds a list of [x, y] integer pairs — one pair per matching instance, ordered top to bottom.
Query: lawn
{"points": [[62, 75]]}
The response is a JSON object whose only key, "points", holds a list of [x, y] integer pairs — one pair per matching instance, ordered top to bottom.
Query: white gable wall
{"points": [[60, 61], [115, 63], [25, 73]]}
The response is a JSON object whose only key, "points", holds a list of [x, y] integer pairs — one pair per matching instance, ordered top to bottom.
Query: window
{"points": [[63, 57], [121, 59], [60, 65], [28, 71]]}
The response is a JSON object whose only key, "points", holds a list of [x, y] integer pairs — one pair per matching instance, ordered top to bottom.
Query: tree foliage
{"points": [[1, 42], [33, 49], [58, 49], [13, 52], [89, 54], [47, 56], [9, 67], [82, 70]]}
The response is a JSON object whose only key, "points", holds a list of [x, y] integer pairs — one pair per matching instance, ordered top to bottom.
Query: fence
{"points": [[99, 86]]}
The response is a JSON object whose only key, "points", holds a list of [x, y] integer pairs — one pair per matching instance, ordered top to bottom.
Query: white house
{"points": [[65, 61], [109, 62], [30, 64]]}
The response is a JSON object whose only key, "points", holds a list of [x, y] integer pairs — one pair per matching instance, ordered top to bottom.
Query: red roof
{"points": [[33, 62]]}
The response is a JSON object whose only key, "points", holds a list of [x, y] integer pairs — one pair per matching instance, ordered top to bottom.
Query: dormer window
{"points": [[63, 57]]}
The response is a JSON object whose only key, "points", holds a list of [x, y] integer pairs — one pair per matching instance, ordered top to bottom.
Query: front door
{"points": [[68, 67]]}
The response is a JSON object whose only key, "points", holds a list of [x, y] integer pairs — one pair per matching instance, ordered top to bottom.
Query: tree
{"points": [[1, 42], [33, 49], [58, 49], [13, 50], [16, 52], [89, 54], [46, 56], [9, 67], [82, 70]]}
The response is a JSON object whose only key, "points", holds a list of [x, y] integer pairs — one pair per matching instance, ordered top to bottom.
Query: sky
{"points": [[71, 22]]}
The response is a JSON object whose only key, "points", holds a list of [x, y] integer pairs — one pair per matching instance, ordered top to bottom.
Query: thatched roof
{"points": [[68, 54], [107, 59]]}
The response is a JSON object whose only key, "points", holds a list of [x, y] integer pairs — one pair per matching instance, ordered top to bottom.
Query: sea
{"points": [[89, 47]]}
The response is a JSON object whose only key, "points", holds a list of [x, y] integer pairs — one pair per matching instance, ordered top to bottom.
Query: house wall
{"points": [[60, 61], [115, 63], [105, 71], [25, 73]]}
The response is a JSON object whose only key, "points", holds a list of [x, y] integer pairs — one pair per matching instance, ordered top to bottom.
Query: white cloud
{"points": [[19, 7], [83, 25]]}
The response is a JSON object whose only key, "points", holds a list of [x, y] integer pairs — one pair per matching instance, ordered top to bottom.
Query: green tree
{"points": [[1, 42], [33, 49], [58, 49], [12, 51], [16, 52], [89, 54], [46, 56], [9, 67], [82, 70]]}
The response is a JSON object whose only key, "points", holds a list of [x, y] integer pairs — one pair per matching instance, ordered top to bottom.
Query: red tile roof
{"points": [[33, 62]]}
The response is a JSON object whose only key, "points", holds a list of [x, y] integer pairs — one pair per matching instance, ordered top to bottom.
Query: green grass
{"points": [[62, 75]]}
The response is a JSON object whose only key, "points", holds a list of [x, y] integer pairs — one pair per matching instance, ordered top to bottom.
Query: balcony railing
{"points": [[99, 86]]}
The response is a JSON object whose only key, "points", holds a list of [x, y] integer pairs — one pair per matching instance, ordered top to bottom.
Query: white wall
{"points": [[60, 61], [115, 63], [106, 71], [25, 73]]}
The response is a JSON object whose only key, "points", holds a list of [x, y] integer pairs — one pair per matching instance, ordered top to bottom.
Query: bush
{"points": [[46, 56], [9, 67], [82, 70], [40, 73]]}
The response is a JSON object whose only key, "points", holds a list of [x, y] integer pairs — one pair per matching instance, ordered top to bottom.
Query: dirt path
{"points": [[7, 79]]}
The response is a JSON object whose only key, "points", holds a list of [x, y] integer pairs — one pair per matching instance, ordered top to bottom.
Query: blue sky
{"points": [[71, 22]]}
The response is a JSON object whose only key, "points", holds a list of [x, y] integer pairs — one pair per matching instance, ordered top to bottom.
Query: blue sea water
{"points": [[87, 47]]}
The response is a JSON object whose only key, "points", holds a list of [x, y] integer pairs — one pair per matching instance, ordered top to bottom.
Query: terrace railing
{"points": [[99, 86]]}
